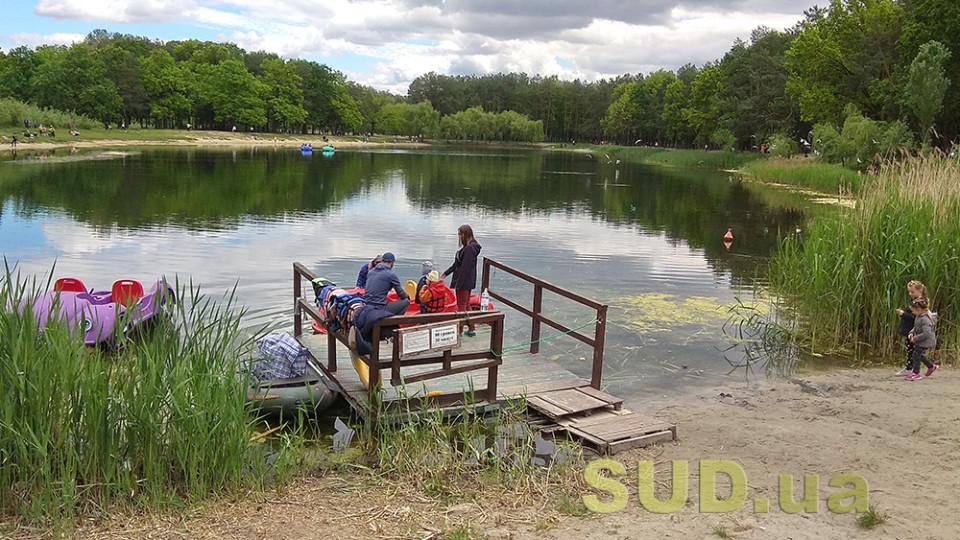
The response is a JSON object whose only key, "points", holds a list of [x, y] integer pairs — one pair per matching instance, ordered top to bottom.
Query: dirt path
{"points": [[901, 437]]}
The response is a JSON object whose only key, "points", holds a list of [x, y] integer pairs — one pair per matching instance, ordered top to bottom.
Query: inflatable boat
{"points": [[285, 381], [309, 394]]}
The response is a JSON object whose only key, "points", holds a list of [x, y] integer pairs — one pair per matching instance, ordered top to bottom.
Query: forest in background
{"points": [[857, 79]]}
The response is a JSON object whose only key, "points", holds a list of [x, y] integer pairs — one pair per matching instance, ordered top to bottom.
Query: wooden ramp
{"points": [[558, 404], [596, 418], [610, 433]]}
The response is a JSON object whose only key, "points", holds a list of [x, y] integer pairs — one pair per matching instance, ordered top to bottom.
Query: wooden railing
{"points": [[535, 312], [488, 359]]}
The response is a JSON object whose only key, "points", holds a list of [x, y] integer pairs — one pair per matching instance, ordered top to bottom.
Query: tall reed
{"points": [[846, 278], [163, 421]]}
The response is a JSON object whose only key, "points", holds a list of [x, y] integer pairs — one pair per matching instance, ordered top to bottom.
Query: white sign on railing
{"points": [[428, 338]]}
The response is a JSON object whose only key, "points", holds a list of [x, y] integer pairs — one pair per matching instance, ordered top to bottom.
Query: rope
{"points": [[512, 347]]}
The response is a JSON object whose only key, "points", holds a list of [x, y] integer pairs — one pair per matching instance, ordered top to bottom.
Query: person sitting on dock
{"points": [[364, 270], [380, 279], [433, 297], [361, 332]]}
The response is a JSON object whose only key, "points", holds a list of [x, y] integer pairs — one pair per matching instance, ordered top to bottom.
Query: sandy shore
{"points": [[900, 437]]}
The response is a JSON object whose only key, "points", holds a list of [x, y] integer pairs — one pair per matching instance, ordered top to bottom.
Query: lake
{"points": [[648, 241]]}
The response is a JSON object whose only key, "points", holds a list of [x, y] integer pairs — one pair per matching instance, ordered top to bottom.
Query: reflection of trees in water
{"points": [[217, 189]]}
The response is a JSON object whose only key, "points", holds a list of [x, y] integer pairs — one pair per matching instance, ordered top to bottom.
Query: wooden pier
{"points": [[476, 373]]}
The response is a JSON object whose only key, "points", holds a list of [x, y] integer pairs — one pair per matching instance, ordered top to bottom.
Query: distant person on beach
{"points": [[364, 270], [464, 270], [380, 281], [915, 289], [923, 338]]}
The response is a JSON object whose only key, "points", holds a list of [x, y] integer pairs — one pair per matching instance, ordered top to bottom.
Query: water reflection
{"points": [[619, 233]]}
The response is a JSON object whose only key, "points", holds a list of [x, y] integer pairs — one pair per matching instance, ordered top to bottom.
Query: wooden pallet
{"points": [[559, 404], [611, 433]]}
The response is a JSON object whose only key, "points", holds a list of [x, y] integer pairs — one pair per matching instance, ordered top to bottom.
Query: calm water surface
{"points": [[647, 241]]}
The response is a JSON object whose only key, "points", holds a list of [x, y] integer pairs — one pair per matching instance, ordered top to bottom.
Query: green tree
{"points": [[926, 20], [848, 56], [16, 70], [926, 86], [168, 87], [282, 94], [234, 95], [674, 101], [703, 108], [622, 121]]}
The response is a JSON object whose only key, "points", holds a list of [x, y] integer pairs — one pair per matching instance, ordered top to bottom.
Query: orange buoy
{"points": [[729, 235]]}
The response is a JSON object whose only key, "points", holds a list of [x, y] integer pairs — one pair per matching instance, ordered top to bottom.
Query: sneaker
{"points": [[352, 339], [931, 370], [902, 373], [913, 377]]}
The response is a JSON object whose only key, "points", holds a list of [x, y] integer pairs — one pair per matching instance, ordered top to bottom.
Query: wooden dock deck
{"points": [[475, 374]]}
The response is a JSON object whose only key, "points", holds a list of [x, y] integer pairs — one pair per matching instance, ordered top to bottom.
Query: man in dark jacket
{"points": [[380, 280]]}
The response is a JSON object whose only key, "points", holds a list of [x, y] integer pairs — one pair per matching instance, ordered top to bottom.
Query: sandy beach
{"points": [[899, 437]]}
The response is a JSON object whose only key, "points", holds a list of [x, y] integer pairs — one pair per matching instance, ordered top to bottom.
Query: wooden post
{"points": [[537, 309], [297, 314], [599, 335], [374, 367], [492, 371]]}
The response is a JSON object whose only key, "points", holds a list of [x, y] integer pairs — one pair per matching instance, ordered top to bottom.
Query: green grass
{"points": [[699, 159], [807, 172], [843, 280], [162, 423], [450, 458], [870, 519], [464, 532], [721, 532]]}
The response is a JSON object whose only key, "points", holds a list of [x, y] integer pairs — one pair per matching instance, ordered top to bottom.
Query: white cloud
{"points": [[34, 40]]}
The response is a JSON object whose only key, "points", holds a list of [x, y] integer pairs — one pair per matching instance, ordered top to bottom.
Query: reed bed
{"points": [[698, 159], [798, 171], [844, 280], [164, 422]]}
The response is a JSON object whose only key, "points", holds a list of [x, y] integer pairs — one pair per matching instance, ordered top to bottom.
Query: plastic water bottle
{"points": [[484, 300]]}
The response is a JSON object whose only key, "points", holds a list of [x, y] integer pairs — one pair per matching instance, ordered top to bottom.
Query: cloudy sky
{"points": [[388, 43]]}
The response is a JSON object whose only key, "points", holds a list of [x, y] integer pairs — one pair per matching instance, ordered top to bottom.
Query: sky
{"points": [[386, 44]]}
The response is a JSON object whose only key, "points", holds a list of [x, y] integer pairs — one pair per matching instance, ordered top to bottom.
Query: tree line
{"points": [[848, 82]]}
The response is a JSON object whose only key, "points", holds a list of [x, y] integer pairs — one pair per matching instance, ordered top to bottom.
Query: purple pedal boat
{"points": [[97, 313]]}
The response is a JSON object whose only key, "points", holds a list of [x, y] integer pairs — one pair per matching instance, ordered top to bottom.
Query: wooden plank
{"points": [[610, 399], [573, 400], [541, 405], [614, 428], [643, 440]]}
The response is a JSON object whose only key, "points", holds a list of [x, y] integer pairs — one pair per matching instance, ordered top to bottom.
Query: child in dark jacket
{"points": [[915, 289], [923, 337]]}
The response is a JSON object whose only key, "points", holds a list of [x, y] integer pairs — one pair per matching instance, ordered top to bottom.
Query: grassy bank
{"points": [[698, 159], [808, 173], [845, 278], [162, 423]]}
